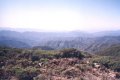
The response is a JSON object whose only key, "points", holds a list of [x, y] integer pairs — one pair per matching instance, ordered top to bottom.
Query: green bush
{"points": [[70, 53], [35, 58], [108, 62], [18, 71]]}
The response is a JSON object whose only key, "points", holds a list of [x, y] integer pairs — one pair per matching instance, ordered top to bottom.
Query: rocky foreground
{"points": [[68, 64], [74, 69]]}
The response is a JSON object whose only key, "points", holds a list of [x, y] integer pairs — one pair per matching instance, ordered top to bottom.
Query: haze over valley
{"points": [[59, 40]]}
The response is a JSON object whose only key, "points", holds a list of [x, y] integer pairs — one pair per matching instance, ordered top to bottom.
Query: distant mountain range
{"points": [[91, 42]]}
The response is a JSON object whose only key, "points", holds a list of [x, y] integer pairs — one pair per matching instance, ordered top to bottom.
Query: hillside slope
{"points": [[59, 40], [12, 42], [113, 50], [67, 64]]}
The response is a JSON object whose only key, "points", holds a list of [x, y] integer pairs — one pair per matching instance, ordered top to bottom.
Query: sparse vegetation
{"points": [[35, 64]]}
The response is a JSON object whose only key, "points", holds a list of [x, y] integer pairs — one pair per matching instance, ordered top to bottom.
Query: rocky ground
{"points": [[69, 64], [74, 69]]}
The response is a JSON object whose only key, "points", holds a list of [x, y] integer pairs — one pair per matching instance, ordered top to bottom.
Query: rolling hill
{"points": [[90, 42]]}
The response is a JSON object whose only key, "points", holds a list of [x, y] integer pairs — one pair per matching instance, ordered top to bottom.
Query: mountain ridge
{"points": [[61, 40]]}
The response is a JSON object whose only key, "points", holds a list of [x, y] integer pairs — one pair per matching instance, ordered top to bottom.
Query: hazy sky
{"points": [[61, 15]]}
